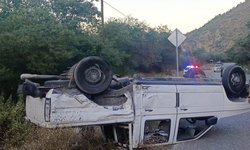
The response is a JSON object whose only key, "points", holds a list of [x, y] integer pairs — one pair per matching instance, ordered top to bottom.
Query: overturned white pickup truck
{"points": [[136, 112]]}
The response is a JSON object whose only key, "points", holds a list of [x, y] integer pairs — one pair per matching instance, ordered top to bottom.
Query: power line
{"points": [[115, 9]]}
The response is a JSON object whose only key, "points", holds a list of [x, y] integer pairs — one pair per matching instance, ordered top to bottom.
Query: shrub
{"points": [[13, 128], [16, 133]]}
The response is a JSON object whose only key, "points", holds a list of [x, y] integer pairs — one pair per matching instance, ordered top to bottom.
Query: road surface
{"points": [[217, 75], [232, 133]]}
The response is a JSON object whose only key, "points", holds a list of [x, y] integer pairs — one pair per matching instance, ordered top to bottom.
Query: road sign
{"points": [[177, 38]]}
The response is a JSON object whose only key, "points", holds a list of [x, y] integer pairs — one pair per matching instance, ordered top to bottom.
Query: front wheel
{"points": [[234, 80]]}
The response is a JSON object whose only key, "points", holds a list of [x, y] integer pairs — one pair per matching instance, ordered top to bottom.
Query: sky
{"points": [[186, 15]]}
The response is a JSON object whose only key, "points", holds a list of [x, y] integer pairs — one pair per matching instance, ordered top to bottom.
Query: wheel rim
{"points": [[93, 75], [236, 79]]}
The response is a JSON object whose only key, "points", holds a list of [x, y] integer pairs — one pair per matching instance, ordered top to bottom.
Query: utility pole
{"points": [[102, 11]]}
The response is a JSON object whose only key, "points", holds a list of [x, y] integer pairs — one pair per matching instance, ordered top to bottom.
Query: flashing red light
{"points": [[194, 66]]}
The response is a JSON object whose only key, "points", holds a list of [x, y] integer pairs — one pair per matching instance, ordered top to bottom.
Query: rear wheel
{"points": [[92, 75]]}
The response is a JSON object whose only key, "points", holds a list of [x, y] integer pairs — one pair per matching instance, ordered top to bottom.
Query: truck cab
{"points": [[173, 110]]}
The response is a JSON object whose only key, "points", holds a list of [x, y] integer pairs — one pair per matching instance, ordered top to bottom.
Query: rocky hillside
{"points": [[221, 33]]}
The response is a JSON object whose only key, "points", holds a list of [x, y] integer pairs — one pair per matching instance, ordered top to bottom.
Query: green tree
{"points": [[76, 14], [34, 40], [147, 48], [240, 52], [201, 55], [217, 56]]}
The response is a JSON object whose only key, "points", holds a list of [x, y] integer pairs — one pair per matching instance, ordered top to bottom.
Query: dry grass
{"points": [[86, 138]]}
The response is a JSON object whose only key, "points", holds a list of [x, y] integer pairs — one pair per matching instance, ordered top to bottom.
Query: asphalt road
{"points": [[217, 75], [232, 133]]}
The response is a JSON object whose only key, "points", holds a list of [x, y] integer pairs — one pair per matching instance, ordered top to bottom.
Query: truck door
{"points": [[199, 107], [158, 114]]}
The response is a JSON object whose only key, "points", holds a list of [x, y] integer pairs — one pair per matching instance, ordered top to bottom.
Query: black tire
{"points": [[194, 73], [92, 75], [234, 80]]}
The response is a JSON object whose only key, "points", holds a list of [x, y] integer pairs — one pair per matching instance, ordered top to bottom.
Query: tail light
{"points": [[47, 109]]}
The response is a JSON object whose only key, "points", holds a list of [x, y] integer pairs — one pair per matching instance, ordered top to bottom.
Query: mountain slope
{"points": [[221, 33]]}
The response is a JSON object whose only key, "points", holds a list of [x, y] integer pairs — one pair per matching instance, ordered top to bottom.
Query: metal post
{"points": [[102, 11], [177, 55], [115, 134], [130, 136]]}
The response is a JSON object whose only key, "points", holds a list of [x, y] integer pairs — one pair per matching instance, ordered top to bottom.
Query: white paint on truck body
{"points": [[147, 101], [76, 110]]}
